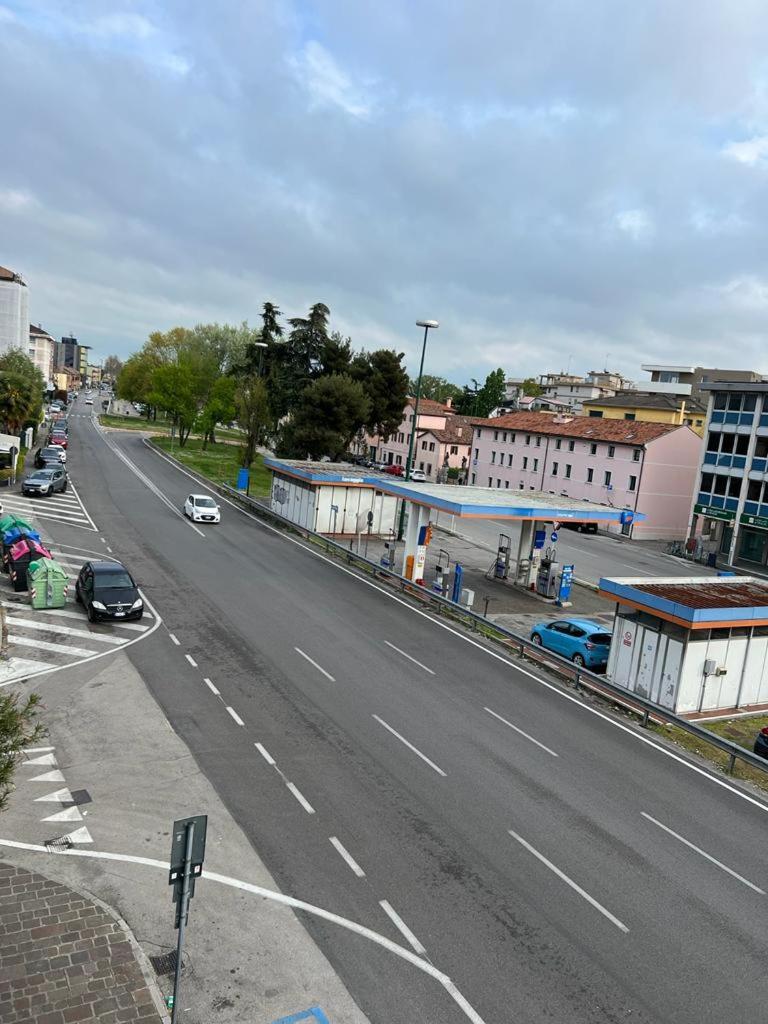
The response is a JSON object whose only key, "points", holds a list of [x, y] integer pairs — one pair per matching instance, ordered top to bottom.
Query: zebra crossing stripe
{"points": [[51, 627], [43, 645]]}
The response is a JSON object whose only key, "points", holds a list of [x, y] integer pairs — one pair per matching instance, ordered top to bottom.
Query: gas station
{"points": [[320, 496]]}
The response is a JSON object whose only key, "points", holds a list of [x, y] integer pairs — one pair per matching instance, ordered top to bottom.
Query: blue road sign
{"points": [[553, 536]]}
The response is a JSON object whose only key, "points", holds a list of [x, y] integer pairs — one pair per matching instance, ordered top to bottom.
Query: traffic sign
{"points": [[553, 536]]}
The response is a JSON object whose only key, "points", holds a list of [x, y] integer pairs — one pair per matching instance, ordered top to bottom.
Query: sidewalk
{"points": [[65, 958]]}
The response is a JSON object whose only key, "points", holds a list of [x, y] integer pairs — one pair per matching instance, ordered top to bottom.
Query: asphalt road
{"points": [[551, 859]]}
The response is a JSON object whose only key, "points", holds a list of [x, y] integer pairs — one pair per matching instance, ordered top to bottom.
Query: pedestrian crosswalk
{"points": [[66, 508], [41, 640]]}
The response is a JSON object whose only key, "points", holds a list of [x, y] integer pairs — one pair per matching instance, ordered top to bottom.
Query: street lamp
{"points": [[427, 325], [260, 345]]}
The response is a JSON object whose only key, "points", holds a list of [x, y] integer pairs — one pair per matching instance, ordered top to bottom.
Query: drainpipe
{"points": [[544, 467], [639, 485]]}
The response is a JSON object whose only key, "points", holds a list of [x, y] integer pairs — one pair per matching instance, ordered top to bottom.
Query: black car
{"points": [[47, 457], [45, 481], [580, 527], [108, 591], [761, 743]]}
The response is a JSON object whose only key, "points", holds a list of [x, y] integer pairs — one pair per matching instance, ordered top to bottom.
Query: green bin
{"points": [[47, 584]]}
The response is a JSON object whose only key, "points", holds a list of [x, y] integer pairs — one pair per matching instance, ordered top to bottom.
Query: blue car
{"points": [[581, 641]]}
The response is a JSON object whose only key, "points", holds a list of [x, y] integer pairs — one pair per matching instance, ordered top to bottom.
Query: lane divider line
{"points": [[175, 639], [408, 656], [191, 660], [314, 663], [211, 687], [234, 715], [517, 729], [411, 746], [265, 754], [301, 798], [346, 856], [570, 882], [401, 926]]}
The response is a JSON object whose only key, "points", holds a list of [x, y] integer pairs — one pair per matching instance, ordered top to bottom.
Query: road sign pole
{"points": [[183, 912]]}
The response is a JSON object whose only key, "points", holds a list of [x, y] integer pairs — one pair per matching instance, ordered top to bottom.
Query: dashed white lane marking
{"points": [[109, 549], [48, 627], [175, 639], [42, 645], [408, 656], [191, 660], [314, 663], [211, 687], [234, 715], [522, 733], [410, 746], [265, 754], [301, 798], [704, 854], [346, 856], [570, 882], [289, 901], [401, 926]]}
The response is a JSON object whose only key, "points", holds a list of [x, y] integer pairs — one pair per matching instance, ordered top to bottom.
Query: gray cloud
{"points": [[551, 181]]}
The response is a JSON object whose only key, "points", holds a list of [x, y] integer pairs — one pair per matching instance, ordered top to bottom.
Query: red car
{"points": [[59, 439], [394, 469]]}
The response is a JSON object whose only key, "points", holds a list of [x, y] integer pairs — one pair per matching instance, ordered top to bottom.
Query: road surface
{"points": [[552, 860]]}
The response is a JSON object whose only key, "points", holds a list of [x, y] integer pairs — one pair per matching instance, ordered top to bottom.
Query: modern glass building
{"points": [[730, 507]]}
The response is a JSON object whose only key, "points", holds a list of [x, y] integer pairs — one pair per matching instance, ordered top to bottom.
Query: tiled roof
{"points": [[9, 275], [648, 400], [428, 406], [589, 428], [458, 430]]}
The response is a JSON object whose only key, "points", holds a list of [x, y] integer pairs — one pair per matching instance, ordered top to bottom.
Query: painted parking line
{"points": [[314, 1015]]}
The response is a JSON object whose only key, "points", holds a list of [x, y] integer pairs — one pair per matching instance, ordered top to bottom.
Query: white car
{"points": [[89, 401], [418, 476], [202, 509]]}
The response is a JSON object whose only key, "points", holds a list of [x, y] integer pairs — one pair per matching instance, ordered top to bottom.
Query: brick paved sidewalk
{"points": [[64, 958]]}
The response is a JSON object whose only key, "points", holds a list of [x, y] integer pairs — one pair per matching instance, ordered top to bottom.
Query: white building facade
{"points": [[14, 311], [41, 350]]}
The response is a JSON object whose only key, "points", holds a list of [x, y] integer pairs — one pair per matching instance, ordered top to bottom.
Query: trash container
{"points": [[13, 536], [21, 554], [712, 559], [47, 583]]}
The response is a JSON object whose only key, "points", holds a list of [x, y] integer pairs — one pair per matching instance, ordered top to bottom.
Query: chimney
{"points": [[448, 403], [458, 431]]}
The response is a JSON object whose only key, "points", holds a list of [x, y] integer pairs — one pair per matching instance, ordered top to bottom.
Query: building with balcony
{"points": [[14, 311], [690, 380], [572, 390], [649, 407], [649, 468], [730, 508]]}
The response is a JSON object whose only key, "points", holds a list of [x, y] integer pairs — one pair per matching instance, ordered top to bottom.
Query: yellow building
{"points": [[647, 407]]}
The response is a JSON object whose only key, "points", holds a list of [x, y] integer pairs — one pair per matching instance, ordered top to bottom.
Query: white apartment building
{"points": [[14, 311], [41, 350]]}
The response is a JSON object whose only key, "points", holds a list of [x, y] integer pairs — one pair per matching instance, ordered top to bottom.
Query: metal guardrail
{"points": [[581, 678]]}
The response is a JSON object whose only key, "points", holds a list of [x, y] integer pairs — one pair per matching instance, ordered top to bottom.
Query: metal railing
{"points": [[581, 678]]}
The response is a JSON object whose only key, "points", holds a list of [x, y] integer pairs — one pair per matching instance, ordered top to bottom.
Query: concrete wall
{"points": [[668, 478]]}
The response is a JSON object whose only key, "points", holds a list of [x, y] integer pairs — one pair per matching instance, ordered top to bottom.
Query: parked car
{"points": [[88, 400], [58, 438], [53, 455], [394, 470], [418, 476], [45, 481], [200, 508], [581, 527], [108, 591], [581, 641], [761, 743]]}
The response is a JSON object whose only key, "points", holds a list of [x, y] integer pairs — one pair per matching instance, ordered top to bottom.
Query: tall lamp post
{"points": [[427, 325], [260, 345]]}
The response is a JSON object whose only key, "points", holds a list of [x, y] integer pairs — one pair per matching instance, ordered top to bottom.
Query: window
{"points": [[721, 401], [595, 414], [629, 416], [410, 418], [699, 423], [479, 431], [495, 435], [504, 436], [512, 438], [527, 438], [538, 442], [558, 443], [423, 446], [431, 446], [570, 446], [593, 448], [454, 449], [611, 451], [477, 453], [636, 455], [493, 457], [509, 459], [399, 460], [525, 462], [535, 465], [421, 466], [429, 469], [554, 469], [567, 471], [590, 475], [474, 477], [607, 478], [490, 481], [498, 483], [721, 483], [506, 484], [521, 485], [632, 485]]}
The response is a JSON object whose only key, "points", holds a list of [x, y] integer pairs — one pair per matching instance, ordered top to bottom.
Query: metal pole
{"points": [[412, 440], [183, 911]]}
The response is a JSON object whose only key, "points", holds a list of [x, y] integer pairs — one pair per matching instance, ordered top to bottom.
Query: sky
{"points": [[560, 184]]}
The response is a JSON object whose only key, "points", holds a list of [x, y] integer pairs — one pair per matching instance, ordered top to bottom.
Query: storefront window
{"points": [[752, 547]]}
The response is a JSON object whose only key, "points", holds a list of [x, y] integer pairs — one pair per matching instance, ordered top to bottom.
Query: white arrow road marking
{"points": [[54, 776], [61, 796], [70, 814]]}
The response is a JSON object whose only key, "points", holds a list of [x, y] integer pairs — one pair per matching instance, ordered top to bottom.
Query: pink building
{"points": [[447, 448], [646, 467]]}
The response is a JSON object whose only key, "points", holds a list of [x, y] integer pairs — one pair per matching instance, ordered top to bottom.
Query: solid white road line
{"points": [[85, 510], [50, 627], [175, 639], [42, 645], [408, 656], [191, 660], [313, 662], [211, 687], [235, 716], [538, 744], [410, 746], [265, 754], [301, 798], [704, 854], [346, 856], [569, 881], [289, 901], [401, 926]]}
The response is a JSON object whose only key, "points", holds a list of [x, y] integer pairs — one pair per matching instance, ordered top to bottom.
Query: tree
{"points": [[270, 328], [335, 355], [295, 362], [112, 367], [134, 383], [385, 383], [531, 386], [436, 388], [21, 391], [174, 391], [491, 393], [220, 407], [329, 413], [253, 414], [19, 729]]}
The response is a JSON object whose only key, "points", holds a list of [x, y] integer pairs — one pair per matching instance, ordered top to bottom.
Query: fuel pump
{"points": [[546, 577]]}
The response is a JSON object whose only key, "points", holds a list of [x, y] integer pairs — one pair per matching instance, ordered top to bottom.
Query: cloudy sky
{"points": [[559, 183]]}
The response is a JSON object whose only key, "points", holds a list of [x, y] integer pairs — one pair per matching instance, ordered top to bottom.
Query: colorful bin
{"points": [[47, 583]]}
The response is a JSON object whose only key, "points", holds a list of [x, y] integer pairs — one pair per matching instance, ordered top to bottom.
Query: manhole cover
{"points": [[81, 796], [58, 845], [165, 963]]}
